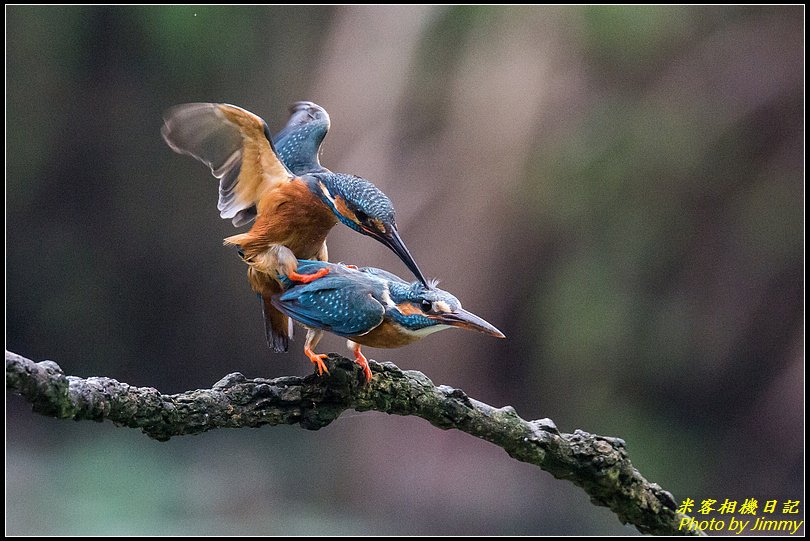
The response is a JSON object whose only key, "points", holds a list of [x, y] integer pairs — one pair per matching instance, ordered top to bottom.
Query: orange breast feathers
{"points": [[291, 215], [386, 335]]}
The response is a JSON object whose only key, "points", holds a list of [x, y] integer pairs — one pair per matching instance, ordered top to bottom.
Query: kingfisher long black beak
{"points": [[393, 241], [466, 320]]}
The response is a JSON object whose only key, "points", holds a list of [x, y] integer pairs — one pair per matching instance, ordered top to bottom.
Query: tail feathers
{"points": [[265, 268], [277, 327]]}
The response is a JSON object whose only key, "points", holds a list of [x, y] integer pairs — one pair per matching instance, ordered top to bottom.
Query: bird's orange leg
{"points": [[307, 278], [313, 337], [360, 359], [317, 360]]}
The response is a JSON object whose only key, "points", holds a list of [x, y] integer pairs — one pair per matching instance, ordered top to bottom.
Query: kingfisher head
{"points": [[360, 205], [426, 309]]}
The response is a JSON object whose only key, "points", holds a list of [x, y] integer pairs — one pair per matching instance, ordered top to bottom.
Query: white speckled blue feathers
{"points": [[299, 142], [342, 302]]}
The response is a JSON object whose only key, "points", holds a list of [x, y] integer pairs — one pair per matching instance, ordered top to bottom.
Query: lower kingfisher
{"points": [[294, 205], [370, 307]]}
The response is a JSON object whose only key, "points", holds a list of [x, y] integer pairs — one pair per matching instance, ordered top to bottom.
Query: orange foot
{"points": [[351, 267], [307, 278], [360, 359], [317, 360]]}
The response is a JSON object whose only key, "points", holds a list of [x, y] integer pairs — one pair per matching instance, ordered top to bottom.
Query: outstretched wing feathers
{"points": [[197, 129], [299, 142], [236, 145]]}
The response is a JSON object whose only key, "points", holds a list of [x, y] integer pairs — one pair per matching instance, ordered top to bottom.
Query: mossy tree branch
{"points": [[598, 464]]}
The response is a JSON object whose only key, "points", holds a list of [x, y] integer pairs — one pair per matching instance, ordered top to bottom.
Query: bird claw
{"points": [[307, 278], [360, 359], [317, 360], [321, 367], [367, 372]]}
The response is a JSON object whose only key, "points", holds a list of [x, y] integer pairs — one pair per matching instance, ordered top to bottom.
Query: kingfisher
{"points": [[294, 202], [370, 307]]}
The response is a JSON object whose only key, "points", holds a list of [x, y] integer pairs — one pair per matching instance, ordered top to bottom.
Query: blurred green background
{"points": [[619, 189]]}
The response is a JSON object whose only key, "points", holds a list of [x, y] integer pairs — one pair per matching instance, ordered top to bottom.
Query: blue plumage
{"points": [[222, 136], [299, 142], [298, 145], [360, 196], [300, 200], [356, 202], [383, 274], [339, 302], [371, 306], [342, 311]]}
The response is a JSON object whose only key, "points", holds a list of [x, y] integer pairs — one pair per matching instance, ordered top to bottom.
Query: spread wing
{"points": [[299, 142], [236, 145], [340, 302]]}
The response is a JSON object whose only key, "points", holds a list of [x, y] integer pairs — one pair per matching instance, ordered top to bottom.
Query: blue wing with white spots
{"points": [[299, 142], [340, 302]]}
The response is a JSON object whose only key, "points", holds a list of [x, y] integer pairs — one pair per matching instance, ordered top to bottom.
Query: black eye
{"points": [[361, 216], [426, 306]]}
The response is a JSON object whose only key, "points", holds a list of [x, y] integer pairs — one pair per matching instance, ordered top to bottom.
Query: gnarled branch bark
{"points": [[598, 464]]}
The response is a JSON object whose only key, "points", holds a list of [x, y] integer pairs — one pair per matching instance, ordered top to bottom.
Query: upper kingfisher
{"points": [[295, 202], [370, 307]]}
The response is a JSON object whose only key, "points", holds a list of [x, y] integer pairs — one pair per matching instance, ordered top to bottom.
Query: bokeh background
{"points": [[619, 189]]}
